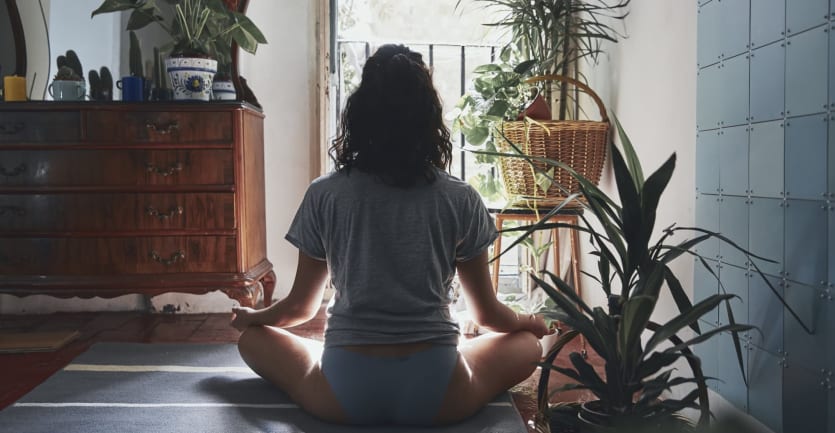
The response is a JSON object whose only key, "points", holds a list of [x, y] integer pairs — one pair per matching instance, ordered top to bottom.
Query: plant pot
{"points": [[191, 77], [223, 91], [547, 342], [593, 419]]}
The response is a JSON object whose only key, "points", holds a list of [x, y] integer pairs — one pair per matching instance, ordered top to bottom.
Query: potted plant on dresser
{"points": [[201, 31]]}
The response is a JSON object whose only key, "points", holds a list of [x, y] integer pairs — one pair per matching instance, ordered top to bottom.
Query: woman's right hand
{"points": [[242, 318], [536, 325]]}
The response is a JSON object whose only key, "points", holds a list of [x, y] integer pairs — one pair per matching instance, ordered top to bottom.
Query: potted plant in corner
{"points": [[200, 31], [556, 35], [632, 272]]}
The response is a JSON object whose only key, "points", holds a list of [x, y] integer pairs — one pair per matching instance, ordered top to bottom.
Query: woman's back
{"points": [[391, 253]]}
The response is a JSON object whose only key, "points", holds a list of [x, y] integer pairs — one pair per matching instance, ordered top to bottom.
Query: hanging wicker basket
{"points": [[581, 144]]}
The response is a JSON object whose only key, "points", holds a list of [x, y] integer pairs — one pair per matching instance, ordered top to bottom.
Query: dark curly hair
{"points": [[392, 125]]}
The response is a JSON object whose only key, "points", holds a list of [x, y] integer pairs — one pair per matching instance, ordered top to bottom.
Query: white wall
{"points": [[282, 76], [648, 80]]}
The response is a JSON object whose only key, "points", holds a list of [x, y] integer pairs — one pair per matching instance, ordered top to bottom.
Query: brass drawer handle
{"points": [[11, 128], [163, 130], [17, 171], [165, 172], [12, 211], [154, 212], [176, 257]]}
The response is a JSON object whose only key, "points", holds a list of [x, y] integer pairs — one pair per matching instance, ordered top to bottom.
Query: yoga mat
{"points": [[132, 387]]}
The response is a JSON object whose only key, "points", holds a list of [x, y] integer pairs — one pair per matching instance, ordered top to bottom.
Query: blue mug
{"points": [[132, 88]]}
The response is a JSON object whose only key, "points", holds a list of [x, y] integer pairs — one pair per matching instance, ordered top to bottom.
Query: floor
{"points": [[20, 373]]}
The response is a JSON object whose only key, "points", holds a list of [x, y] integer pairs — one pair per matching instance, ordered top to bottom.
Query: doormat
{"points": [[22, 342], [132, 387]]}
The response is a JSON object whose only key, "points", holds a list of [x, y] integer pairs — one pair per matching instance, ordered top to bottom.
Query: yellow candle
{"points": [[14, 88]]}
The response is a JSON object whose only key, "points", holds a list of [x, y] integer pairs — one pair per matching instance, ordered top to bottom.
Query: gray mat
{"points": [[219, 395]]}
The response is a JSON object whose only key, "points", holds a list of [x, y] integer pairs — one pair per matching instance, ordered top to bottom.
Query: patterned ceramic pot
{"points": [[191, 78], [223, 91]]}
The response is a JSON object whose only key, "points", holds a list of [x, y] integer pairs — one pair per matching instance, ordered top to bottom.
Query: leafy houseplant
{"points": [[202, 30], [548, 38], [632, 271]]}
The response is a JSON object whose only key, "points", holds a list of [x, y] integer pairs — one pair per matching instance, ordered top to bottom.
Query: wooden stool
{"points": [[567, 216]]}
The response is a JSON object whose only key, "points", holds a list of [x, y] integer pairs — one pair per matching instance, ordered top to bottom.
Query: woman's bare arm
{"points": [[298, 307], [486, 310]]}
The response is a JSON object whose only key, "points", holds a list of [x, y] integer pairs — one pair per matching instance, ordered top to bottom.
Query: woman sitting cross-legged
{"points": [[391, 227]]}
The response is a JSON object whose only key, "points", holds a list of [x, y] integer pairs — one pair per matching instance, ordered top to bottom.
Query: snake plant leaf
{"points": [[630, 155], [651, 192], [631, 212], [673, 252], [567, 290], [679, 296], [636, 314], [685, 319], [579, 321], [707, 335], [735, 339], [655, 363], [587, 373], [653, 388], [689, 401]]}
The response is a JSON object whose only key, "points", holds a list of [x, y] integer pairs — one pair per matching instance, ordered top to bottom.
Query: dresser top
{"points": [[128, 106]]}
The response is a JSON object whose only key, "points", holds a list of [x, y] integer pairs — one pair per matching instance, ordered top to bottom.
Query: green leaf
{"points": [[114, 6], [140, 18], [490, 67], [524, 67], [498, 109], [630, 155], [651, 195], [631, 214], [679, 296], [636, 314], [685, 319], [708, 335], [655, 363], [588, 375]]}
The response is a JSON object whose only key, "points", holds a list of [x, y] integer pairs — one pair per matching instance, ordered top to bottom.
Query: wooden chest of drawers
{"points": [[116, 198]]}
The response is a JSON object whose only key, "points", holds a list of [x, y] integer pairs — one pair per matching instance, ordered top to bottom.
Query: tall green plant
{"points": [[558, 33], [632, 271]]}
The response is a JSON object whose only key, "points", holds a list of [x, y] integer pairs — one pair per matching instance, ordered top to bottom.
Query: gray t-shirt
{"points": [[391, 253]]}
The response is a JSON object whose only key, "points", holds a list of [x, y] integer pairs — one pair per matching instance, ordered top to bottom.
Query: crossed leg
{"points": [[292, 364], [487, 365]]}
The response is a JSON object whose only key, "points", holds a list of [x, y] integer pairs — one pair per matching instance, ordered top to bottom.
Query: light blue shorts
{"points": [[405, 390]]}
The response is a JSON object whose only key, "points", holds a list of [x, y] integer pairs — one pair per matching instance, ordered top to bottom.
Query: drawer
{"points": [[40, 127], [204, 127], [103, 168], [116, 212], [114, 256]]}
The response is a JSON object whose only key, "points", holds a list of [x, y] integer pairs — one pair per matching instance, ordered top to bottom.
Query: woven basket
{"points": [[580, 144]]}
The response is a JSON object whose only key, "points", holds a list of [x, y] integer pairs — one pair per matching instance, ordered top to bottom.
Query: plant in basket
{"points": [[201, 32], [548, 40], [640, 357]]}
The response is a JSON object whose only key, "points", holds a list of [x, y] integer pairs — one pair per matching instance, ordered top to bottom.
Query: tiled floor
{"points": [[20, 373]]}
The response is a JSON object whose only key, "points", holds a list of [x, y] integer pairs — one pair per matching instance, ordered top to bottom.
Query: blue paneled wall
{"points": [[765, 177]]}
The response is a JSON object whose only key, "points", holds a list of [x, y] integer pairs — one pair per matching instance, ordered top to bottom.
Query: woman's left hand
{"points": [[243, 317]]}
